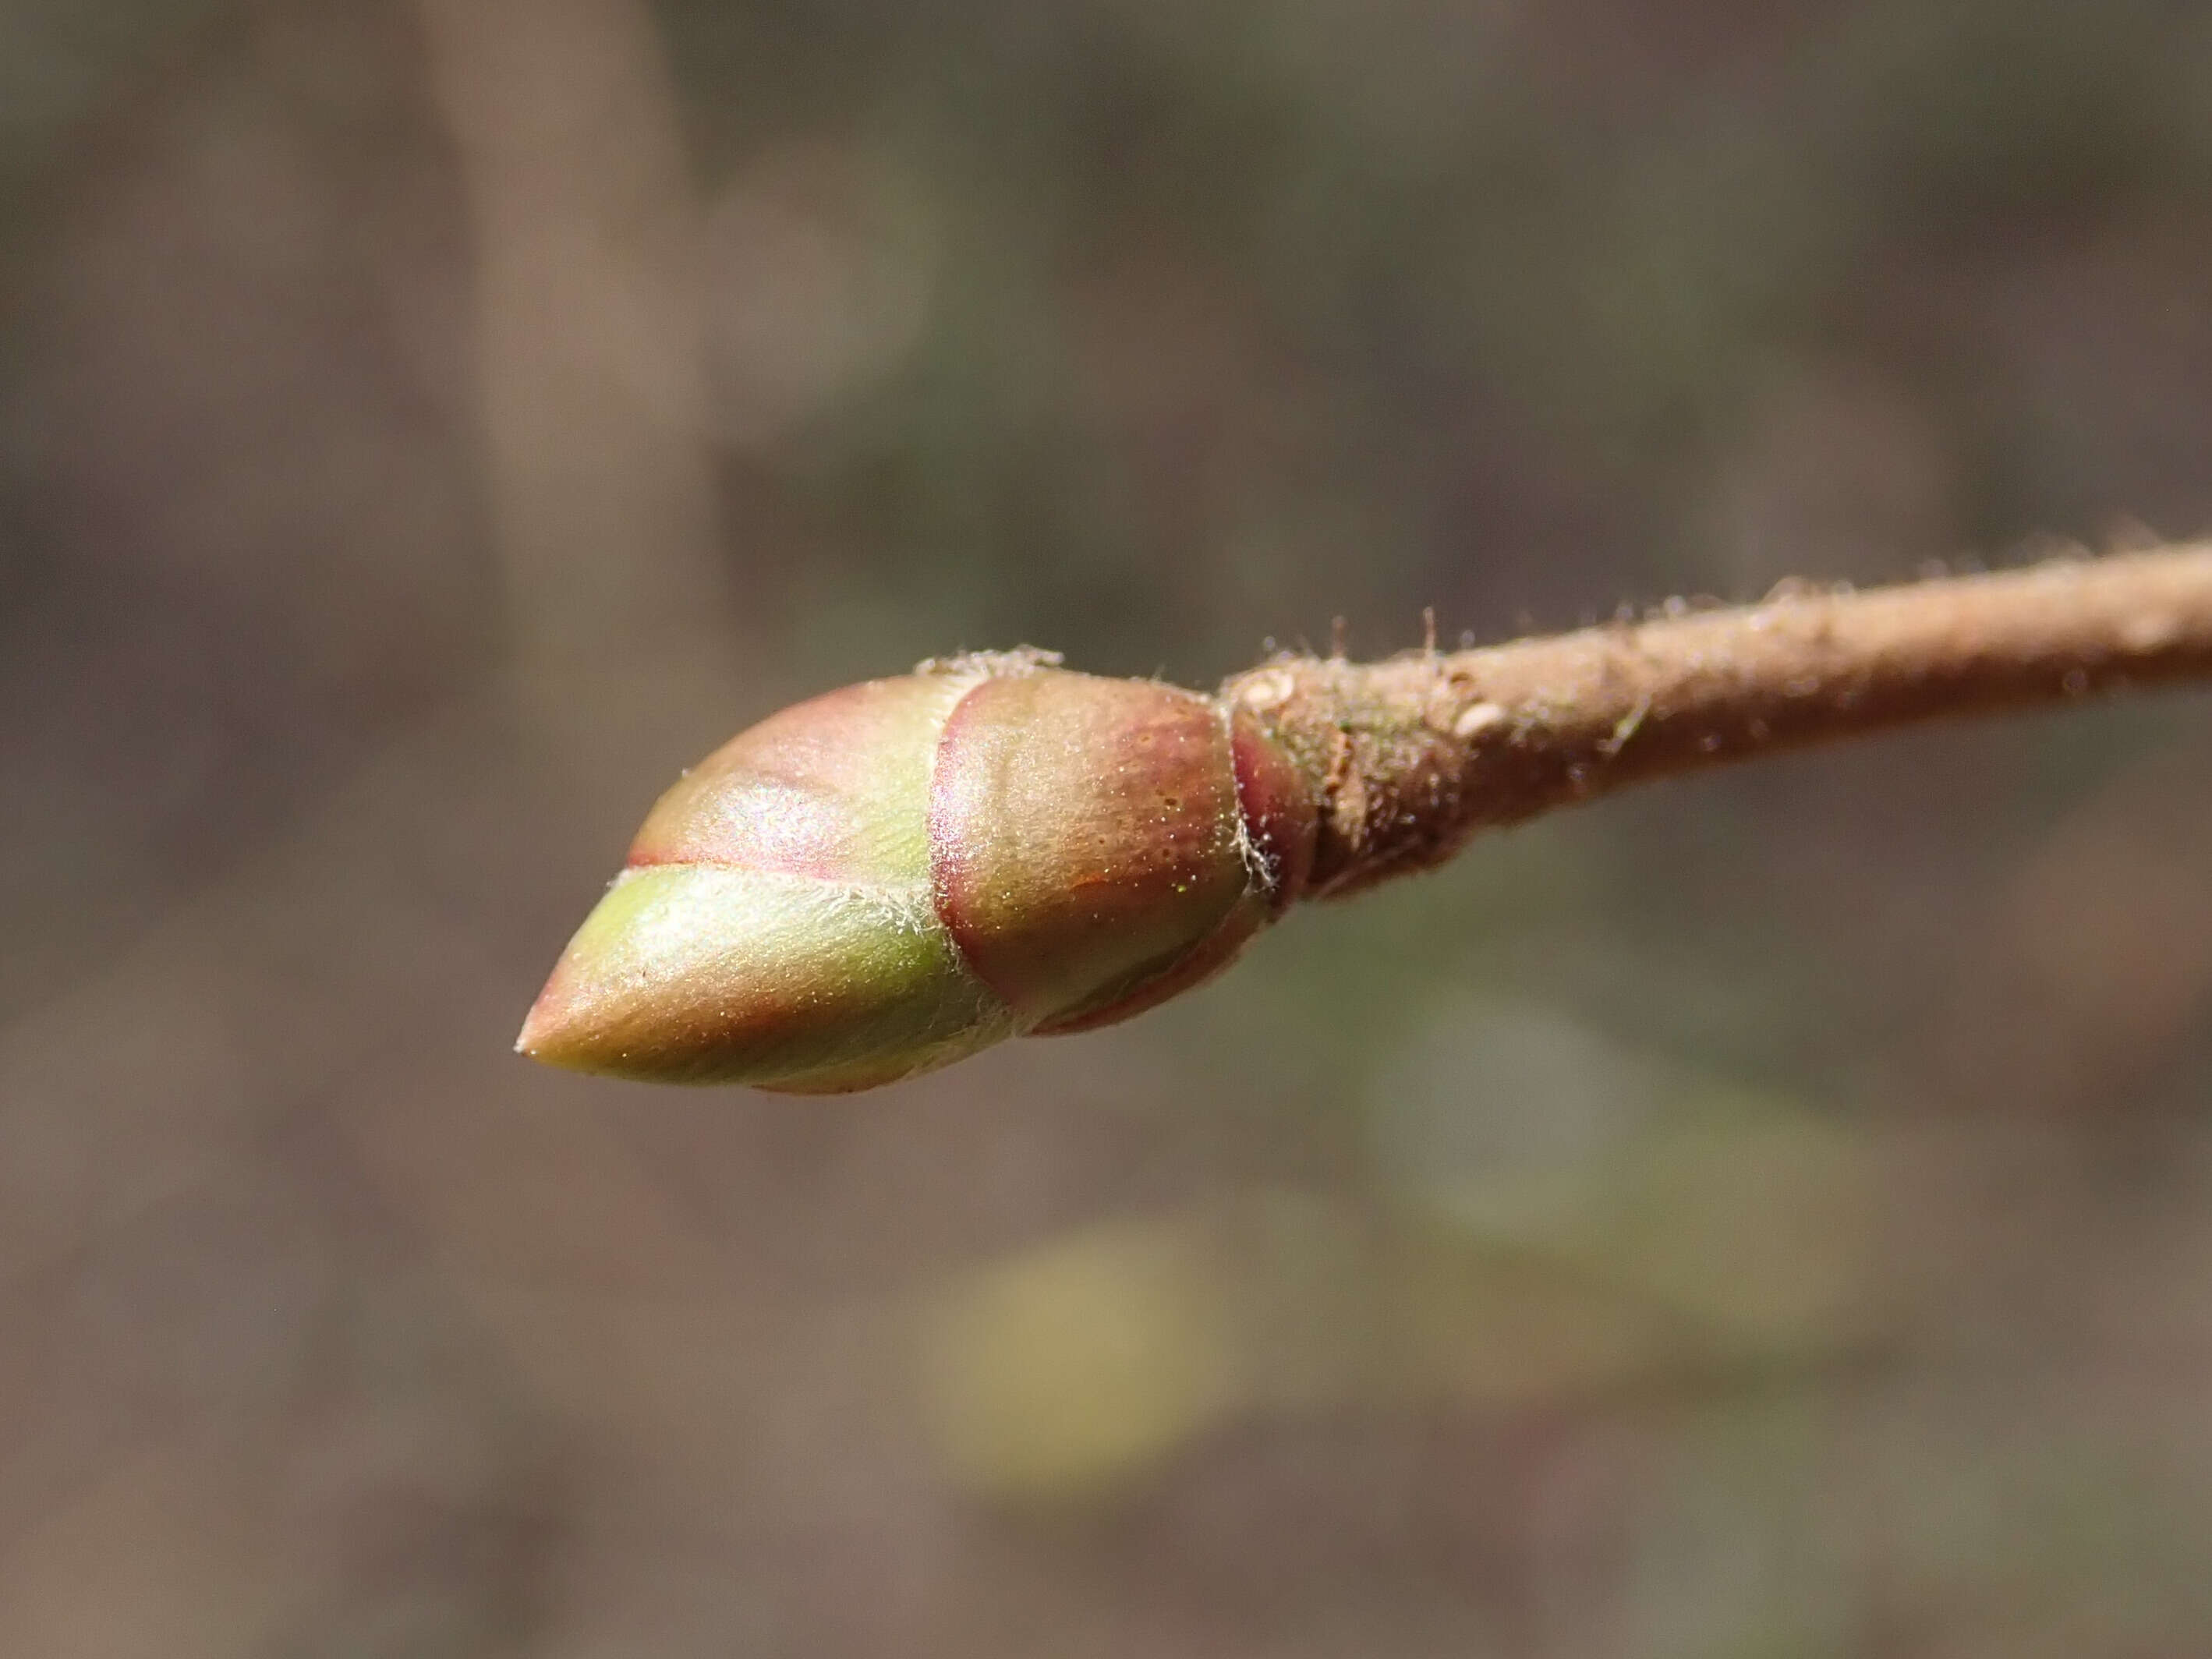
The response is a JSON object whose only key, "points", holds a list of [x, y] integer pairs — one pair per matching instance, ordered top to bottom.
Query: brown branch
{"points": [[1410, 756]]}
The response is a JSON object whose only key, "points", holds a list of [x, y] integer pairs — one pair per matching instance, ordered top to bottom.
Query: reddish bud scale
{"points": [[883, 880]]}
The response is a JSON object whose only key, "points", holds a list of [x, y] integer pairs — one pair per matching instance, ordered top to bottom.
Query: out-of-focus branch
{"points": [[585, 224], [1412, 756]]}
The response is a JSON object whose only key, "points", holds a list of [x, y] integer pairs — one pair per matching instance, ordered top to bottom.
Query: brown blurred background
{"points": [[1767, 1217]]}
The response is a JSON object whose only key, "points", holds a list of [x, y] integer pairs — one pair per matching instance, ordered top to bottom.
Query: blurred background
{"points": [[1768, 1215]]}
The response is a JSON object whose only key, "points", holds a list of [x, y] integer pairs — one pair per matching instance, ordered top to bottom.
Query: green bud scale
{"points": [[882, 880]]}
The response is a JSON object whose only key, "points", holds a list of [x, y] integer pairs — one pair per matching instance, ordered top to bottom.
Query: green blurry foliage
{"points": [[1733, 1239]]}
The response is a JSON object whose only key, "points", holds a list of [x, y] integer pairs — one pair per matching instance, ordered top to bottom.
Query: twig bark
{"points": [[1409, 757]]}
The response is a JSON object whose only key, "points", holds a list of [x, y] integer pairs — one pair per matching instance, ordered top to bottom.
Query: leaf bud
{"points": [[887, 878]]}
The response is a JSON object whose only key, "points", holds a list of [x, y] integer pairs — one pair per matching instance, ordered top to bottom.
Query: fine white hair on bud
{"points": [[882, 880]]}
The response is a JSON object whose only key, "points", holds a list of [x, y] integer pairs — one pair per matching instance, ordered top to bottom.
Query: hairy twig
{"points": [[1412, 756]]}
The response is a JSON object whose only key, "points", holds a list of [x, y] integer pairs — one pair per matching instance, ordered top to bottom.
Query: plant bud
{"points": [[887, 878]]}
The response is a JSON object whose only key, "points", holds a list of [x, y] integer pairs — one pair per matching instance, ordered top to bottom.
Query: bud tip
{"points": [[539, 1039]]}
